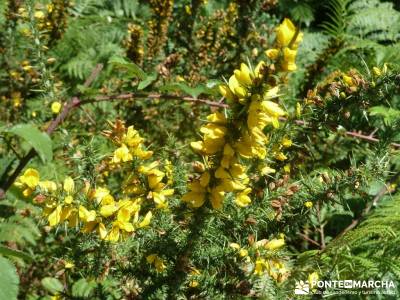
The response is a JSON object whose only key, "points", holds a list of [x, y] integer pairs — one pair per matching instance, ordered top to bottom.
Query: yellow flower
{"points": [[39, 14], [286, 32], [272, 53], [289, 59], [259, 69], [376, 71], [244, 75], [348, 80], [236, 87], [226, 92], [272, 93], [56, 107], [273, 109], [298, 109], [217, 117], [213, 131], [132, 137], [213, 140], [286, 142], [243, 147], [122, 154], [280, 156], [265, 170], [221, 173], [30, 178], [154, 178], [205, 179], [69, 185], [48, 186], [101, 193], [159, 197], [217, 197], [69, 199], [195, 199], [242, 199], [308, 204], [108, 210], [86, 215], [55, 217], [146, 220], [121, 225], [275, 244], [234, 246], [243, 252], [155, 260], [68, 264], [260, 266], [313, 279], [193, 283]]}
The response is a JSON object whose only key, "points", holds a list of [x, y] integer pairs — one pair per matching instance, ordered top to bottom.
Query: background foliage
{"points": [[160, 56]]}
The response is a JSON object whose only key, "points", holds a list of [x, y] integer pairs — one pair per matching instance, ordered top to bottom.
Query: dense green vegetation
{"points": [[196, 149]]}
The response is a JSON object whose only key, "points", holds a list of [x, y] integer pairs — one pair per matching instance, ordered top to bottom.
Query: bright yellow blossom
{"points": [[285, 34], [56, 107], [122, 154], [69, 185], [308, 204], [275, 244], [155, 260]]}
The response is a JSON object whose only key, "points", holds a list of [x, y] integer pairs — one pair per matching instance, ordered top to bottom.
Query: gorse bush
{"points": [[199, 149]]}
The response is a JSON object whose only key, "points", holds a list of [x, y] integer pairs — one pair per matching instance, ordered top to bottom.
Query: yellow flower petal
{"points": [[56, 107], [69, 185], [55, 217], [146, 220], [275, 244]]}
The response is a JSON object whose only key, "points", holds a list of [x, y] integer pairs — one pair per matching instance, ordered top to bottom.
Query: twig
{"points": [[129, 96], [74, 102], [358, 135], [369, 138], [374, 202], [305, 237]]}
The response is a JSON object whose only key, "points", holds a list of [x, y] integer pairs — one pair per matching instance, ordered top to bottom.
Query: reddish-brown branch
{"points": [[131, 96], [76, 102], [53, 125], [358, 135], [369, 138], [374, 202], [305, 237]]}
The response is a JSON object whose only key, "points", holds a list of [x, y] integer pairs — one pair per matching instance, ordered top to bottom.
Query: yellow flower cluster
{"points": [[287, 42], [229, 140], [131, 145], [28, 181], [60, 205], [96, 210], [261, 257], [157, 262]]}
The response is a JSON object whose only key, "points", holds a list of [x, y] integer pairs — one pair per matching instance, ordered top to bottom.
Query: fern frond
{"points": [[338, 14], [375, 21]]}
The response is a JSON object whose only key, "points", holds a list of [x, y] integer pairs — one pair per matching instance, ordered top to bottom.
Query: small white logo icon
{"points": [[348, 284], [302, 288]]}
